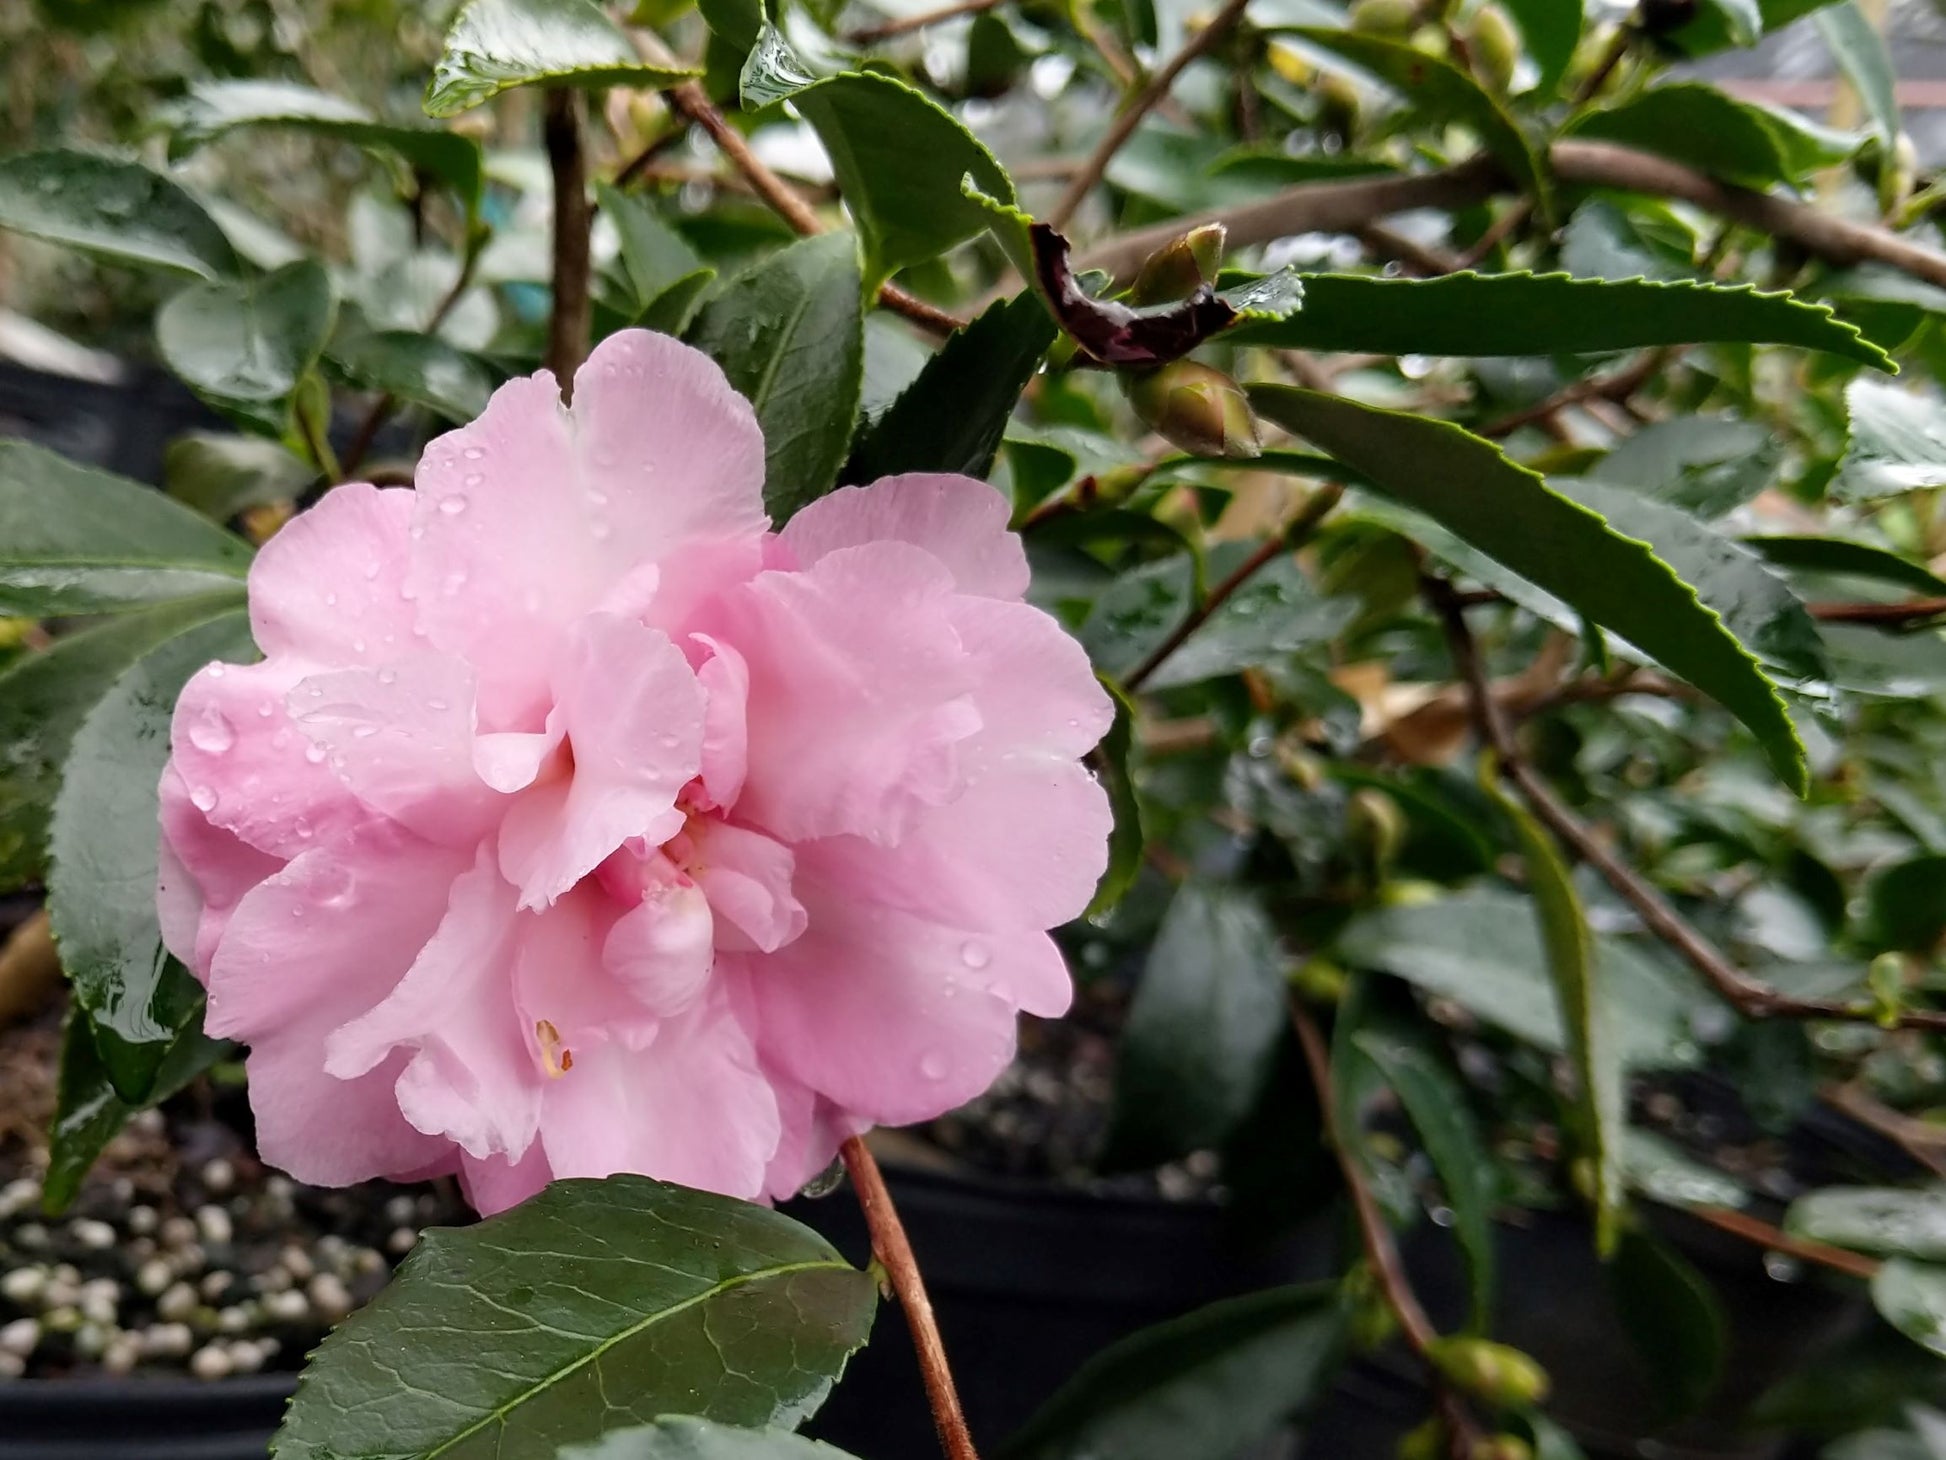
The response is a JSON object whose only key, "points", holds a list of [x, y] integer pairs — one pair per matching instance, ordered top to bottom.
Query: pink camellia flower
{"points": [[576, 823]]}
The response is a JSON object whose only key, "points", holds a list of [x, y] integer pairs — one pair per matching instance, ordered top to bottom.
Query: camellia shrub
{"points": [[1393, 552]]}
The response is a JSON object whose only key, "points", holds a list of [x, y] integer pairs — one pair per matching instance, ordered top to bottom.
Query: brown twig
{"points": [[871, 34], [1618, 45], [1141, 105], [641, 161], [1498, 233], [1423, 259], [571, 317], [1617, 386], [1301, 527], [1894, 614], [1750, 997], [1754, 1229], [894, 1254]]}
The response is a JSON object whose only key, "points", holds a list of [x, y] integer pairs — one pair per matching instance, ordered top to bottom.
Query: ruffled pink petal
{"points": [[961, 522], [330, 586], [725, 679], [858, 695], [633, 714], [203, 873], [747, 878], [661, 950], [562, 985], [472, 1077], [693, 1108], [813, 1129], [331, 1132], [496, 1183]]}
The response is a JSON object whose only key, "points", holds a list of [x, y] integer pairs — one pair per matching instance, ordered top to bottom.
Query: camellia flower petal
{"points": [[575, 822]]}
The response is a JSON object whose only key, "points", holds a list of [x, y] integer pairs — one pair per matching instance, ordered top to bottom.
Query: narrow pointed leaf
{"points": [[1552, 29], [495, 45], [1861, 54], [1693, 123], [120, 211], [1842, 556], [1891, 1221], [595, 1305], [1673, 1318]]}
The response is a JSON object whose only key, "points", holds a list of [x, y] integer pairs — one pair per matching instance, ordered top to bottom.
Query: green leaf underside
{"points": [[495, 45], [115, 210], [1470, 315], [790, 334], [1898, 442], [219, 475], [1508, 512], [74, 540], [45, 697], [1113, 764], [102, 879], [1202, 1030], [1890, 1221], [594, 1305], [1210, 1383], [684, 1437]]}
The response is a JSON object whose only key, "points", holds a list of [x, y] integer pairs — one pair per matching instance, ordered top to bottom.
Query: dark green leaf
{"points": [[1743, 19], [737, 23], [1552, 29], [494, 45], [1860, 52], [1440, 91], [215, 107], [1696, 124], [899, 159], [112, 209], [667, 276], [1471, 314], [790, 335], [246, 346], [414, 367], [952, 417], [1898, 442], [1703, 464], [220, 475], [1509, 513], [75, 540], [1852, 559], [1275, 614], [1132, 617], [1866, 660], [43, 700], [1111, 760], [102, 874], [1905, 905], [1482, 949], [1202, 1030], [1436, 1104], [1662, 1172], [1892, 1221], [1911, 1296], [595, 1305], [1672, 1317], [1211, 1383], [684, 1437]]}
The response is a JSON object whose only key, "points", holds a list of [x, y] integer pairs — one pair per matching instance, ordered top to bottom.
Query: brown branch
{"points": [[870, 34], [1611, 57], [1140, 106], [641, 161], [1501, 229], [1423, 259], [571, 316], [1617, 386], [1894, 614], [1749, 996], [1763, 1234], [894, 1254]]}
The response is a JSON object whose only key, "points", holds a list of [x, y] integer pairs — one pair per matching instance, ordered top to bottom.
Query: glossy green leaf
{"points": [[1744, 19], [1551, 29], [494, 45], [1861, 54], [1440, 91], [215, 107], [1696, 124], [900, 159], [120, 211], [667, 277], [1470, 314], [790, 335], [245, 346], [413, 367], [953, 416], [1898, 442], [1708, 465], [219, 475], [1467, 486], [75, 540], [1842, 556], [1275, 614], [1130, 619], [45, 697], [1112, 764], [101, 879], [1905, 905], [1482, 949], [1202, 1030], [1601, 1097], [1435, 1103], [88, 1112], [1662, 1172], [1892, 1221], [1911, 1296], [594, 1305], [1672, 1317], [1211, 1383], [685, 1437]]}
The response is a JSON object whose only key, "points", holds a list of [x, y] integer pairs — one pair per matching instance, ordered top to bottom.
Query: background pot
{"points": [[141, 1418]]}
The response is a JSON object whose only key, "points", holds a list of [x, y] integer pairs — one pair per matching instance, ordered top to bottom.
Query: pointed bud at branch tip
{"points": [[1181, 267], [1196, 408]]}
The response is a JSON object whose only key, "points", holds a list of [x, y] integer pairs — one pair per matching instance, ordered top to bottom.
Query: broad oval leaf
{"points": [[1552, 30], [495, 45], [1693, 123], [114, 210], [1468, 314], [790, 334], [246, 346], [410, 366], [1898, 442], [1708, 465], [219, 474], [1508, 512], [74, 540], [101, 877], [1905, 905], [1202, 1030], [1893, 1221], [1911, 1296], [595, 1305], [1672, 1317], [1209, 1383], [685, 1437]]}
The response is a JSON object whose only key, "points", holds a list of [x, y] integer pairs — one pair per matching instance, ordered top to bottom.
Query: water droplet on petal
{"points": [[474, 453], [452, 506], [371, 570], [330, 600], [216, 671], [388, 676], [266, 709], [364, 732], [212, 734], [315, 753], [203, 798], [974, 955], [932, 1065]]}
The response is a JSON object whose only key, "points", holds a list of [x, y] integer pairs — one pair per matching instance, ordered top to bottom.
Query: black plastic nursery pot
{"points": [[123, 426], [141, 1418]]}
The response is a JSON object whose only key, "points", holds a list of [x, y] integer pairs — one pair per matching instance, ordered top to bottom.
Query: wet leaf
{"points": [[495, 45], [119, 211]]}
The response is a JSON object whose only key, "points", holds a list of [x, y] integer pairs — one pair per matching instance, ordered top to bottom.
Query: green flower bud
{"points": [[1384, 17], [1494, 45], [1897, 174], [1179, 268], [1196, 408], [1375, 822], [1320, 981], [1490, 1371], [1427, 1442], [1502, 1447]]}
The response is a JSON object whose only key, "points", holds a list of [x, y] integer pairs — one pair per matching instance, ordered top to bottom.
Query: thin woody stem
{"points": [[571, 317], [894, 1254]]}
